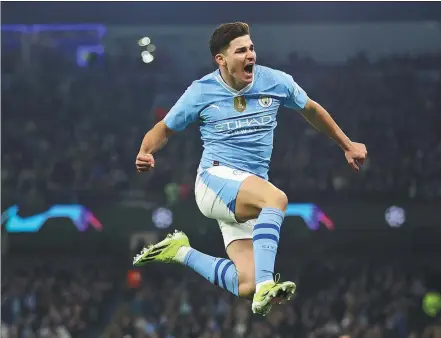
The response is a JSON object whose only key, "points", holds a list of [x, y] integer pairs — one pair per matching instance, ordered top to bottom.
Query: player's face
{"points": [[240, 58]]}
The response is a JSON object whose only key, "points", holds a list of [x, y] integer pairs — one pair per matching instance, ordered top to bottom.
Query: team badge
{"points": [[265, 101], [240, 103]]}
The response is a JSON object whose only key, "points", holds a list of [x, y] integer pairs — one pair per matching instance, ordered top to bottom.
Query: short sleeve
{"points": [[296, 97], [186, 109]]}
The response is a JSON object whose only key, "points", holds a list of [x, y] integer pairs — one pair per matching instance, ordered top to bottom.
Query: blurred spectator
{"points": [[338, 297], [63, 299]]}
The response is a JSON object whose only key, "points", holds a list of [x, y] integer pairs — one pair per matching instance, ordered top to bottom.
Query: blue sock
{"points": [[266, 234], [218, 271]]}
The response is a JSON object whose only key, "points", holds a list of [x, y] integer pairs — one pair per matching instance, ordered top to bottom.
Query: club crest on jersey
{"points": [[265, 101], [240, 103]]}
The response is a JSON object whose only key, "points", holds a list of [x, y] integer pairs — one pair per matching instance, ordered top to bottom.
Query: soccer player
{"points": [[236, 108]]}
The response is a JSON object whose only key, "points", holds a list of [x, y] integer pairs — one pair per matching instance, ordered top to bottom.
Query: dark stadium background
{"points": [[80, 87]]}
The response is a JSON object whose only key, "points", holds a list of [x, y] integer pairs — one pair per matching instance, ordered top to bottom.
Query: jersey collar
{"points": [[231, 89]]}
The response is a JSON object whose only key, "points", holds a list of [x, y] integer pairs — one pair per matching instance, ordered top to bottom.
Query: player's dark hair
{"points": [[225, 33]]}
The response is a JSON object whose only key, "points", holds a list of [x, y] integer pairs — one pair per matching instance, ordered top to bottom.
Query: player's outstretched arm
{"points": [[185, 111], [320, 119], [154, 140]]}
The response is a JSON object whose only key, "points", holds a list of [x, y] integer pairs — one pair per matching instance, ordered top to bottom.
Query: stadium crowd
{"points": [[73, 133], [54, 298], [335, 298]]}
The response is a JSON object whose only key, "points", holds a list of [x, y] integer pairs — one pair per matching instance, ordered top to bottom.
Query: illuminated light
{"points": [[101, 29], [144, 41], [151, 48], [147, 57], [311, 214], [80, 216], [395, 216], [162, 218], [134, 279]]}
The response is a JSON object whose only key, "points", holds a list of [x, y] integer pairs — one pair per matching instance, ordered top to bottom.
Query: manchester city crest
{"points": [[265, 101]]}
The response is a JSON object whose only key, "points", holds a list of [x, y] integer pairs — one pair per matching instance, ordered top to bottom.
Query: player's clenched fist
{"points": [[356, 155], [144, 162]]}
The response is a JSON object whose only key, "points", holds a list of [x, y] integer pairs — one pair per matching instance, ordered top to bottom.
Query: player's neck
{"points": [[231, 81]]}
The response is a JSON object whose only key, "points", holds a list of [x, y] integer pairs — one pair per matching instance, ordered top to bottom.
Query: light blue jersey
{"points": [[237, 127]]}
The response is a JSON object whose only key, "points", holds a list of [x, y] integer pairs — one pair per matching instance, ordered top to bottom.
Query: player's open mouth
{"points": [[249, 68]]}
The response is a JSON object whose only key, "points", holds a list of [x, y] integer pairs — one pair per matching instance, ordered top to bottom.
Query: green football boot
{"points": [[164, 251], [272, 293]]}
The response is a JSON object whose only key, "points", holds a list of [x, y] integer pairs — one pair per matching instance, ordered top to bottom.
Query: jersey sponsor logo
{"points": [[265, 101], [240, 103], [246, 125], [237, 172]]}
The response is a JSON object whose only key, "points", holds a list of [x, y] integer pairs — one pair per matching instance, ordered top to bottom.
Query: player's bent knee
{"points": [[281, 200]]}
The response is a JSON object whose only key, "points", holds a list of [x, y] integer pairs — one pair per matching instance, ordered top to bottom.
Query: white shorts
{"points": [[216, 190]]}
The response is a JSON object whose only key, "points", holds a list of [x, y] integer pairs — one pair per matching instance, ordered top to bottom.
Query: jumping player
{"points": [[236, 107]]}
